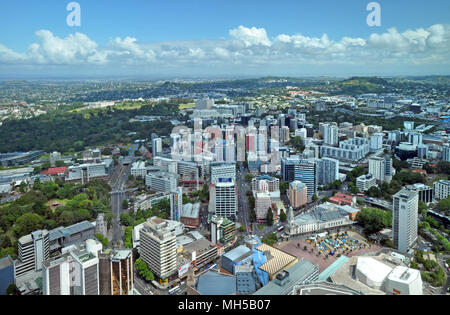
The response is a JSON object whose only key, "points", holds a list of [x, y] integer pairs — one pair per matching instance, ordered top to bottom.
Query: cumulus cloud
{"points": [[251, 36], [246, 46]]}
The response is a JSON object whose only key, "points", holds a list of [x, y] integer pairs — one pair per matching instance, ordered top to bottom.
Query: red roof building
{"points": [[55, 171], [342, 199]]}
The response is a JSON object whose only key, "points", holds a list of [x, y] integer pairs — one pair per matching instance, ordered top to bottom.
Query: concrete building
{"points": [[204, 104], [284, 134], [330, 135], [376, 141], [156, 147], [353, 149], [446, 153], [377, 168], [138, 169], [222, 170], [327, 170], [85, 172], [162, 181], [364, 182], [268, 184], [441, 189], [425, 192], [298, 194], [223, 198], [147, 201], [176, 204], [262, 205], [190, 216], [325, 217], [404, 219], [101, 226], [223, 231], [158, 249], [33, 250], [200, 253], [238, 256], [75, 272], [303, 272], [122, 276], [404, 281]]}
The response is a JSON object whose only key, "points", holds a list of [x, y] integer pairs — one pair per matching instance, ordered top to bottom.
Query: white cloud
{"points": [[251, 36], [246, 47]]}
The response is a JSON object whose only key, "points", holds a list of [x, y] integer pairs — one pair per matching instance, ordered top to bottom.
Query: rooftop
{"points": [[276, 259], [214, 283]]}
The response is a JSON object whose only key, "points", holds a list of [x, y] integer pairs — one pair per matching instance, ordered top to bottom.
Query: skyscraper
{"points": [[330, 135], [156, 147], [327, 170], [306, 172], [223, 198], [404, 219], [158, 249]]}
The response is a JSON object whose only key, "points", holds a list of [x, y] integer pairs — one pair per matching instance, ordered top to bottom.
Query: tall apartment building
{"points": [[284, 134], [330, 135], [376, 141], [156, 147], [165, 164], [288, 168], [377, 168], [222, 170], [327, 170], [306, 172], [162, 181], [268, 184], [441, 189], [425, 192], [298, 194], [223, 198], [176, 203], [404, 219], [158, 249], [33, 250]]}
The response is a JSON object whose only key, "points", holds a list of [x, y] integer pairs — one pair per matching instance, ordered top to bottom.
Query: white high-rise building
{"points": [[204, 104], [330, 135], [376, 141], [156, 147], [377, 167], [222, 170], [162, 181], [441, 189], [223, 198], [404, 219], [158, 249]]}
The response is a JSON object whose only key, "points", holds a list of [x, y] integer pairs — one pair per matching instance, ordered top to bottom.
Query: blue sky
{"points": [[200, 26]]}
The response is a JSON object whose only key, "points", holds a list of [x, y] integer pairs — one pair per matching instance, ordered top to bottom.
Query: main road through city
{"points": [[119, 186]]}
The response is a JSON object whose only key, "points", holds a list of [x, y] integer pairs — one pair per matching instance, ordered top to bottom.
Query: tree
{"points": [[298, 144], [248, 177], [315, 198], [125, 204], [283, 216], [269, 217], [126, 219], [28, 223], [102, 239], [142, 269], [12, 290]]}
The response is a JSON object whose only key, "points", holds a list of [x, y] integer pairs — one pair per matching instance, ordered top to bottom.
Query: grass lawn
{"points": [[187, 106]]}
